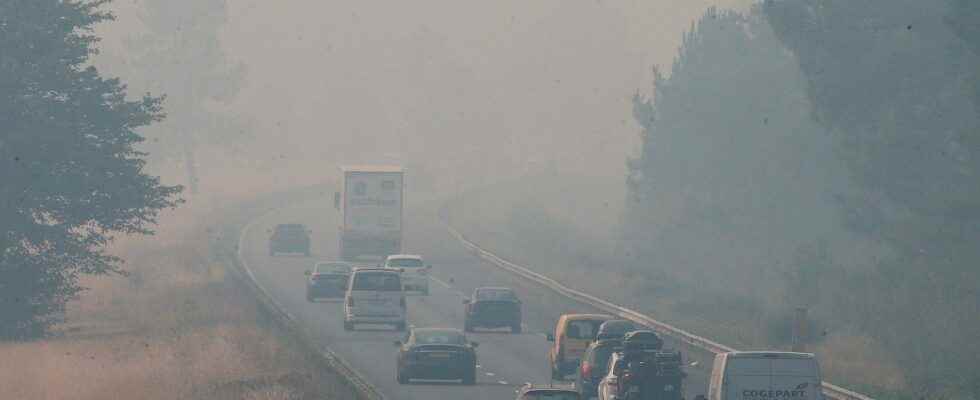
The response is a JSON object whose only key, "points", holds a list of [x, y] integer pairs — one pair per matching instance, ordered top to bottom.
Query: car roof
{"points": [[372, 168], [291, 226], [404, 256], [333, 263], [375, 269], [494, 288], [575, 317], [433, 330], [547, 389]]}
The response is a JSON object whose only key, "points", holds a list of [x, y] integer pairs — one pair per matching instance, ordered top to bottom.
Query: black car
{"points": [[290, 238], [328, 280], [493, 307], [615, 329], [436, 353], [594, 365]]}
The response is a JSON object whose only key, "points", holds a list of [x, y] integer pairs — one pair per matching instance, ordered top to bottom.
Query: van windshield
{"points": [[377, 281]]}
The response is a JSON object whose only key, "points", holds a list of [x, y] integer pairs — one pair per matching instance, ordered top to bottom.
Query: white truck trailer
{"points": [[371, 203]]}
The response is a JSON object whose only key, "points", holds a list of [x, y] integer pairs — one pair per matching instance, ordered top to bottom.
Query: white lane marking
{"points": [[440, 282], [479, 366], [490, 374], [502, 382]]}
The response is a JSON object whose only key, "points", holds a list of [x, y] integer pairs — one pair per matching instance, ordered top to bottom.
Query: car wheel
{"points": [[348, 326], [516, 328]]}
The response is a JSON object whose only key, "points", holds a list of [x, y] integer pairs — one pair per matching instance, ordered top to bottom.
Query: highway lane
{"points": [[506, 360]]}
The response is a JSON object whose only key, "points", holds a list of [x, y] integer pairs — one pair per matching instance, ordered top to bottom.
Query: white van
{"points": [[415, 274], [375, 296], [765, 375]]}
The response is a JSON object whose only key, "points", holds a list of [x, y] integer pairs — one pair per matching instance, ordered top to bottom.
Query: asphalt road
{"points": [[506, 361]]}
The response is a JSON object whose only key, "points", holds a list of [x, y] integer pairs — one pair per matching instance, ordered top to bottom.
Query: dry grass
{"points": [[173, 329]]}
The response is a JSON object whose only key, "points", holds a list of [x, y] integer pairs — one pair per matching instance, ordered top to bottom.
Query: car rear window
{"points": [[405, 263], [377, 281], [495, 294], [583, 328], [439, 337], [550, 395]]}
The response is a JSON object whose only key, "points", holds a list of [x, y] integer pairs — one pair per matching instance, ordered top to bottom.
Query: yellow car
{"points": [[572, 336]]}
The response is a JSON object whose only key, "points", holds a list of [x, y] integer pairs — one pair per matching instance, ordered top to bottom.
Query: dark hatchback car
{"points": [[290, 238], [328, 280], [493, 307], [436, 353], [594, 365]]}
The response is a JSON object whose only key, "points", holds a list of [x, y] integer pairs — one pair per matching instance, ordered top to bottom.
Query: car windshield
{"points": [[404, 263], [377, 281], [495, 295], [583, 328], [439, 337], [550, 395]]}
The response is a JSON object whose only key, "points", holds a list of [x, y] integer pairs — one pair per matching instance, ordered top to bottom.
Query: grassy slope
{"points": [[176, 327]]}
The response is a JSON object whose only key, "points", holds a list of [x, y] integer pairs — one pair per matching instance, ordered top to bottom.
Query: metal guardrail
{"points": [[365, 390], [830, 390]]}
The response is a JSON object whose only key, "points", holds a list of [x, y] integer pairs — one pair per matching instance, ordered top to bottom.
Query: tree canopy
{"points": [[70, 177]]}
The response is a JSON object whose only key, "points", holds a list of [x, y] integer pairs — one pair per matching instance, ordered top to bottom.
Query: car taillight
{"points": [[586, 370]]}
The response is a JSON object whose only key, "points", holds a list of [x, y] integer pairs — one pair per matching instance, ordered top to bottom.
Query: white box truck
{"points": [[371, 204]]}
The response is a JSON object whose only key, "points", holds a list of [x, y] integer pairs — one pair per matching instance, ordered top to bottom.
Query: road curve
{"points": [[505, 360]]}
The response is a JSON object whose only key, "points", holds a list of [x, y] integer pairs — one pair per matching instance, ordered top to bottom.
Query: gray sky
{"points": [[463, 87]]}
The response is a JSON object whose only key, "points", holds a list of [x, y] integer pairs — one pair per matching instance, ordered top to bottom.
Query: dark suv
{"points": [[290, 238], [328, 280], [493, 307]]}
